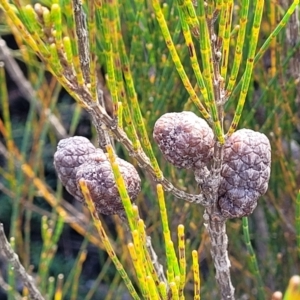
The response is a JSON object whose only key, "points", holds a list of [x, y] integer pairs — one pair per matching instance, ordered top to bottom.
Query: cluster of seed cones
{"points": [[187, 142], [77, 158]]}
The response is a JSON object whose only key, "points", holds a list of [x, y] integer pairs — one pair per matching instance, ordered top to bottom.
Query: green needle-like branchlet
{"points": [[219, 4], [210, 9], [22, 14], [47, 18], [56, 19], [110, 19], [222, 19], [112, 22], [33, 25], [234, 31], [226, 38], [239, 47], [68, 50], [193, 57], [55, 62], [249, 65], [166, 79], [111, 80], [4, 104], [120, 115], [130, 129], [121, 187], [136, 216], [142, 241], [182, 260], [253, 260], [141, 261], [148, 263], [173, 266], [138, 269], [170, 270], [78, 271], [11, 274], [196, 275], [51, 287], [59, 287], [293, 290], [163, 291], [174, 291], [153, 294]]}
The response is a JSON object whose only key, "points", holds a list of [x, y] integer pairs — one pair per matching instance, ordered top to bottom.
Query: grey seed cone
{"points": [[185, 140], [71, 153], [245, 172], [102, 186]]}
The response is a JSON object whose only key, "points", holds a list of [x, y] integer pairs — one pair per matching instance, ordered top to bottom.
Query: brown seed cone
{"points": [[185, 140], [71, 153], [245, 172], [103, 189]]}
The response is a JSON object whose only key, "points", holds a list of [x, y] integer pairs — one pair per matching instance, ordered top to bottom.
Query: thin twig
{"points": [[83, 42], [11, 257], [154, 259]]}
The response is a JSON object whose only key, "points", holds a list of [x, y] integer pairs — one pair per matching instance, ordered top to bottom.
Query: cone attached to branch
{"points": [[185, 140], [245, 172]]}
